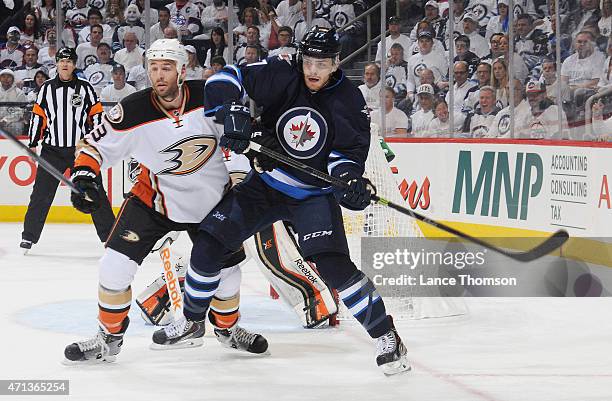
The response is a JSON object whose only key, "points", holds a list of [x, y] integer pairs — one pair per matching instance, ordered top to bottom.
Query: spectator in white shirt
{"points": [[289, 12], [77, 16], [215, 16], [94, 17], [500, 22], [300, 28], [157, 30], [395, 36], [478, 44], [286, 45], [86, 51], [131, 54], [425, 58], [194, 69], [99, 74], [24, 75], [137, 76], [549, 77], [371, 86], [460, 88], [119, 89], [12, 116], [421, 119], [396, 121], [478, 121], [439, 127], [602, 129]]}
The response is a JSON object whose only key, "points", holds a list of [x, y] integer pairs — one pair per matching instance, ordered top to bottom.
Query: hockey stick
{"points": [[42, 162], [548, 245]]}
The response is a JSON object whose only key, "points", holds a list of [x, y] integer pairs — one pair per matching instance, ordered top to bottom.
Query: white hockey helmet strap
{"points": [[169, 49]]}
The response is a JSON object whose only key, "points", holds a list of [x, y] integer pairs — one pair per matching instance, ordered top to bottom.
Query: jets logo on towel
{"points": [[302, 132]]}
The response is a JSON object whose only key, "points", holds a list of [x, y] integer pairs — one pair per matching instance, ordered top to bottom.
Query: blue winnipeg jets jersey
{"points": [[328, 130]]}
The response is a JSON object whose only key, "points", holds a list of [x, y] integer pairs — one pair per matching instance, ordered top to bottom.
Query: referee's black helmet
{"points": [[66, 53]]}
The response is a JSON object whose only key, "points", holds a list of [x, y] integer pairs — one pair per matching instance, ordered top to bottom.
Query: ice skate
{"points": [[25, 246], [181, 333], [241, 339], [104, 347], [391, 353]]}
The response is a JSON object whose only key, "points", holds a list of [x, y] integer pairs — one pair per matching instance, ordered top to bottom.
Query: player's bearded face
{"points": [[317, 71], [163, 76]]}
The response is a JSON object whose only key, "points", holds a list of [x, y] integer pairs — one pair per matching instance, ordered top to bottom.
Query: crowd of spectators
{"points": [[489, 81]]}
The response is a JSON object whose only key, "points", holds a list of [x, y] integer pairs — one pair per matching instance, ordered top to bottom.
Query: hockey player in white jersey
{"points": [[182, 176]]}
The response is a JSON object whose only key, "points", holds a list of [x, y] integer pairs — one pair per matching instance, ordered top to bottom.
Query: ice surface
{"points": [[511, 349]]}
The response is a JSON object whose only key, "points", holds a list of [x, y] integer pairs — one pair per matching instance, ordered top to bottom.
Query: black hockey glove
{"points": [[236, 127], [259, 161], [358, 195], [89, 200]]}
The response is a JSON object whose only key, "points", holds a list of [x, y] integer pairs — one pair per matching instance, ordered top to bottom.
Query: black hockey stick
{"points": [[42, 162], [550, 244]]}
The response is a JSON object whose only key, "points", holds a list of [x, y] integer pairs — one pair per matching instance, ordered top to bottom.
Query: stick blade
{"points": [[553, 242]]}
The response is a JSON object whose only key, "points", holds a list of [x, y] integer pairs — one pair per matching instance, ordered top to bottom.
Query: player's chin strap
{"points": [[547, 246]]}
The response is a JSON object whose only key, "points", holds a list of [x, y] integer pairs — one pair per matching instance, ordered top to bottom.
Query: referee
{"points": [[66, 109]]}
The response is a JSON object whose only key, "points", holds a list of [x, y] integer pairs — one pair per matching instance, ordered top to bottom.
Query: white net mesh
{"points": [[382, 221]]}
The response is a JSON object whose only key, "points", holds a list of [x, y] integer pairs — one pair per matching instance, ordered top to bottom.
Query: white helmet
{"points": [[169, 49]]}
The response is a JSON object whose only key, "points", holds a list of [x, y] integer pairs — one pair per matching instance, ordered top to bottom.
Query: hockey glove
{"points": [[236, 127], [259, 161], [358, 195], [88, 201]]}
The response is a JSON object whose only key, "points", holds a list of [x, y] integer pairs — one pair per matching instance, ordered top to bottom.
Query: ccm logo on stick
{"points": [[316, 234]]}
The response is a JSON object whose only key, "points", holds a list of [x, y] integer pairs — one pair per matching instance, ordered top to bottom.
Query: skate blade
{"points": [[25, 252], [191, 343], [90, 362], [395, 367]]}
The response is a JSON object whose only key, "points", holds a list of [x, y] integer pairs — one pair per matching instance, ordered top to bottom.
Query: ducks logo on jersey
{"points": [[189, 155]]}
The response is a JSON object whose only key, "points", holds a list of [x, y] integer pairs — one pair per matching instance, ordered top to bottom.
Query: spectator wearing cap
{"points": [[77, 15], [436, 22], [500, 22], [301, 27], [157, 30], [395, 36], [285, 42], [529, 42], [478, 44], [438, 45], [87, 51], [11, 53], [463, 53], [131, 54], [425, 58], [217, 63], [194, 69], [581, 72], [99, 74], [24, 75], [483, 77], [461, 88], [370, 89], [118, 90], [12, 116], [421, 119], [542, 119], [396, 121], [478, 121], [500, 127]]}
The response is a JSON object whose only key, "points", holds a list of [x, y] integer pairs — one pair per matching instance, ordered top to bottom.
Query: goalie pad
{"points": [[296, 281], [154, 302]]}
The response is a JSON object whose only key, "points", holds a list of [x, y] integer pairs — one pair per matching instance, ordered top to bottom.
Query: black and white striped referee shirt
{"points": [[64, 112]]}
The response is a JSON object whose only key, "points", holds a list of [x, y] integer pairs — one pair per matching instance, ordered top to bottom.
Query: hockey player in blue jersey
{"points": [[312, 113]]}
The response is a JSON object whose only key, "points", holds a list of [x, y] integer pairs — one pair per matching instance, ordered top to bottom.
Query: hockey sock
{"points": [[200, 289], [363, 302], [113, 308], [224, 313]]}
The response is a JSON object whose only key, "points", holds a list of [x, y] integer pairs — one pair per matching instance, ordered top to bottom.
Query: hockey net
{"points": [[382, 221]]}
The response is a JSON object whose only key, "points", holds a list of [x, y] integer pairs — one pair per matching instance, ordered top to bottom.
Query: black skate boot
{"points": [[25, 246], [181, 333], [240, 339], [104, 347], [391, 353]]}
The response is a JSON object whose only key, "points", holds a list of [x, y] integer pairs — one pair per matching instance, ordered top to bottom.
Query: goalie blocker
{"points": [[294, 279]]}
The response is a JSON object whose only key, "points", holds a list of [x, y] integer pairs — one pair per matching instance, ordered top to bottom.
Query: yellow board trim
{"points": [[57, 214], [586, 250]]}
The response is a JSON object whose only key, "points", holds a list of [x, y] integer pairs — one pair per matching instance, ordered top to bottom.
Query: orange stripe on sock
{"points": [[222, 320], [113, 321]]}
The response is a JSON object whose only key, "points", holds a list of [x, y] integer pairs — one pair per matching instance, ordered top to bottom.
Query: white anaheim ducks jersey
{"points": [[182, 171]]}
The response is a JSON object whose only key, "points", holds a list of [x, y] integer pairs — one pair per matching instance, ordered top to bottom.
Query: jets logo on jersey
{"points": [[480, 11], [340, 19], [90, 59], [418, 68], [96, 77], [390, 80], [504, 124], [302, 132], [189, 154]]}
